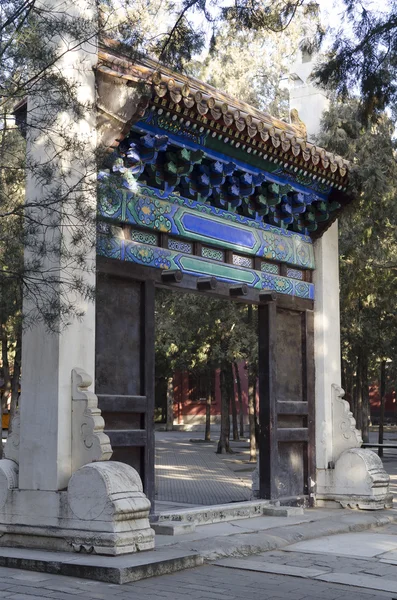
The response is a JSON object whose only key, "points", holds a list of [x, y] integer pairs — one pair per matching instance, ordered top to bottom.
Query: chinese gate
{"points": [[206, 194]]}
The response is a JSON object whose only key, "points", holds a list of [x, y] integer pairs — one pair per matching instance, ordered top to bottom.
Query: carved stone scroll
{"points": [[345, 435], [89, 442]]}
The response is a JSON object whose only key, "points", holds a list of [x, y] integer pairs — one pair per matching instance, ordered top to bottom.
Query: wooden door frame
{"points": [[269, 438]]}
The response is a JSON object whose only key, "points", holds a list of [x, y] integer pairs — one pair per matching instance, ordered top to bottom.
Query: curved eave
{"points": [[226, 117]]}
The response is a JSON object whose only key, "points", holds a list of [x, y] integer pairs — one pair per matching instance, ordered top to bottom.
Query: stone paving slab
{"points": [[316, 524], [357, 545], [268, 567], [112, 569], [362, 581], [204, 583]]}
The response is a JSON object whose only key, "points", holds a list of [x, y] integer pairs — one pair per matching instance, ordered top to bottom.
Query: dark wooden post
{"points": [[147, 385], [309, 397], [382, 405], [268, 455]]}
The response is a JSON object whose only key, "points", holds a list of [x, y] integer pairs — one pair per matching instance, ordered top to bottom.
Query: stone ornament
{"points": [[345, 434], [89, 442], [11, 448], [355, 477], [8, 479], [360, 480], [110, 494]]}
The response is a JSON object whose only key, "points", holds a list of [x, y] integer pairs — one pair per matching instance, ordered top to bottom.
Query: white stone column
{"points": [[309, 100], [326, 340], [48, 358], [57, 489]]}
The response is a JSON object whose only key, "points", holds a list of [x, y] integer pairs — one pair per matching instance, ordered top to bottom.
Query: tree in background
{"points": [[363, 56], [254, 67], [202, 335]]}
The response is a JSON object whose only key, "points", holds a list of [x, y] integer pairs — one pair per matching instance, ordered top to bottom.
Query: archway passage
{"points": [[125, 375], [206, 380]]}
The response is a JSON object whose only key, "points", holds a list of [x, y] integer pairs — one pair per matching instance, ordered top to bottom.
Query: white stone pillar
{"points": [[309, 100], [326, 339], [48, 358], [57, 489]]}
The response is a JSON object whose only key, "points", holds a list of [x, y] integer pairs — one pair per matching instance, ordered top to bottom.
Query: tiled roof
{"points": [[230, 120]]}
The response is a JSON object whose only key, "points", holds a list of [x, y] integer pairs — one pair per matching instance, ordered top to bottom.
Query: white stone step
{"points": [[204, 515]]}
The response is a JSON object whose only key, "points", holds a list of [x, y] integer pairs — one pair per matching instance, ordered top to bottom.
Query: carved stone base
{"points": [[357, 481], [103, 511]]}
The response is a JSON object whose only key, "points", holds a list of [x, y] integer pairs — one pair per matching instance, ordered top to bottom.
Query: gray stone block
{"points": [[173, 528], [111, 569]]}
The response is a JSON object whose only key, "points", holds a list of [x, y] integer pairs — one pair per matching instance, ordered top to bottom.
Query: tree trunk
{"points": [[6, 367], [343, 372], [15, 378], [7, 382], [349, 386], [359, 392], [210, 398], [240, 399], [365, 399], [233, 403], [170, 404], [382, 405], [251, 414], [224, 438]]}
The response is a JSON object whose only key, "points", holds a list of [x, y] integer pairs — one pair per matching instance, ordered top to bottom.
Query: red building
{"points": [[190, 398], [390, 404]]}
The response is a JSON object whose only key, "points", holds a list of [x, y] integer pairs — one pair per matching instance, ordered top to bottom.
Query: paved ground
{"points": [[190, 472], [351, 566], [303, 571]]}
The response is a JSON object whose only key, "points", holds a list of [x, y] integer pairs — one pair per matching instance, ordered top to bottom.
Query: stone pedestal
{"points": [[355, 477], [104, 511]]}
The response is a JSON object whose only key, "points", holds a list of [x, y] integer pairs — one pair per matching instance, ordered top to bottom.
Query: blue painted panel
{"points": [[220, 232]]}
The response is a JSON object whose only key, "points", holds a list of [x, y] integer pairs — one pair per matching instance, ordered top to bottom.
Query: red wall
{"points": [[374, 400], [183, 406]]}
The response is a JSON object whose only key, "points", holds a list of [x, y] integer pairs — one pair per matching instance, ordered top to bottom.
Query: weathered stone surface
{"points": [[345, 435], [89, 442], [360, 477], [8, 479], [358, 481], [111, 493], [104, 511], [216, 514], [173, 528], [117, 569]]}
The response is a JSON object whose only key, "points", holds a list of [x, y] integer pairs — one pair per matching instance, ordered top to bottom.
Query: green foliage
{"points": [[363, 57], [253, 66], [197, 333]]}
